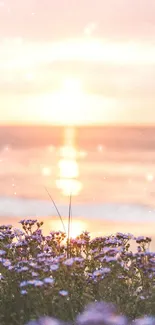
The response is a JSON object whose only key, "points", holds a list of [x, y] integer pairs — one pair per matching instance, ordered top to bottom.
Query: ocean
{"points": [[108, 171]]}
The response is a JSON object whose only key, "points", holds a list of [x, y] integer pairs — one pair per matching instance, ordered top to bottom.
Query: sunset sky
{"points": [[77, 62]]}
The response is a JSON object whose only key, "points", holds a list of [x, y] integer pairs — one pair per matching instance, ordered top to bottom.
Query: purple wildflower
{"points": [[18, 232], [142, 239], [2, 252], [79, 259], [109, 259], [69, 262], [6, 263], [11, 267], [54, 267], [23, 269], [102, 271], [97, 273], [34, 274], [48, 280], [35, 283], [23, 284], [23, 292], [63, 293], [142, 297], [100, 314], [144, 321]]}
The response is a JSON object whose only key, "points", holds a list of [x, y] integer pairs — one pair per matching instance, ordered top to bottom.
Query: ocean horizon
{"points": [[109, 171]]}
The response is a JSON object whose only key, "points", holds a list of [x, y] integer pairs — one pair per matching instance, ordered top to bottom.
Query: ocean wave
{"points": [[23, 207]]}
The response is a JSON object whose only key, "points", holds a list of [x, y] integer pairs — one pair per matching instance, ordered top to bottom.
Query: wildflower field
{"points": [[55, 277]]}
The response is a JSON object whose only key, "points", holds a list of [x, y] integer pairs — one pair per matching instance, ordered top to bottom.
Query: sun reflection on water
{"points": [[68, 174]]}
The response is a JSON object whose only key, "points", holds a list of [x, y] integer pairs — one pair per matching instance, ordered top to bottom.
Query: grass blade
{"points": [[56, 209], [69, 216], [69, 225]]}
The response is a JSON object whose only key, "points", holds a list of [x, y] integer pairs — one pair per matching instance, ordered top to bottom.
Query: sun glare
{"points": [[72, 86], [68, 101], [64, 106], [68, 151], [68, 168], [46, 171], [68, 174], [69, 186], [76, 228]]}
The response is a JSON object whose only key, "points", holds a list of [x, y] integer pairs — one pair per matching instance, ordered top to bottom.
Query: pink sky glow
{"points": [[107, 46]]}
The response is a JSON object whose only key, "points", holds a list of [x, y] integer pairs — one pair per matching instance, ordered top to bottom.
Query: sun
{"points": [[71, 86], [69, 100], [72, 105], [64, 106]]}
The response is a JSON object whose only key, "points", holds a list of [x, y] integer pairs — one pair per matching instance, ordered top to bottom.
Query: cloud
{"points": [[24, 57]]}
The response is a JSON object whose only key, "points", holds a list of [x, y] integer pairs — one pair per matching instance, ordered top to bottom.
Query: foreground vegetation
{"points": [[45, 275]]}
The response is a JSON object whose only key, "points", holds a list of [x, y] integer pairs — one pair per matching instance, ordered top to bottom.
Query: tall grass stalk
{"points": [[56, 209], [69, 219], [69, 225]]}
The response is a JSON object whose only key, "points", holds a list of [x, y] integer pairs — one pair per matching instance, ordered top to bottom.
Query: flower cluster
{"points": [[47, 275], [98, 314]]}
